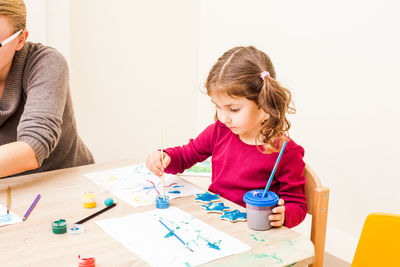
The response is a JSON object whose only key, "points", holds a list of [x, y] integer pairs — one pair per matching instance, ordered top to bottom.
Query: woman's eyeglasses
{"points": [[9, 39]]}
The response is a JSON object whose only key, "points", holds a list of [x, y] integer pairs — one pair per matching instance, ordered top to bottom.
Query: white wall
{"points": [[36, 20], [48, 22], [59, 26], [341, 61], [134, 72]]}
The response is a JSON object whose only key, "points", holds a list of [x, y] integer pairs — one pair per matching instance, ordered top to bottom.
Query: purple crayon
{"points": [[31, 207]]}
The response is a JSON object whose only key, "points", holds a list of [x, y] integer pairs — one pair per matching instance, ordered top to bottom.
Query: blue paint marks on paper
{"points": [[5, 218], [8, 218], [171, 233], [214, 245]]}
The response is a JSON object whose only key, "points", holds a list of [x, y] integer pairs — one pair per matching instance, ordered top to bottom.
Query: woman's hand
{"points": [[154, 162], [277, 218]]}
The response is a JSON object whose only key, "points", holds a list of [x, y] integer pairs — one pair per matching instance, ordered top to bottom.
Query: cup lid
{"points": [[254, 197]]}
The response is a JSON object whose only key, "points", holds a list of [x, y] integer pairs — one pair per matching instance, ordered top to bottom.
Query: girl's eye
{"points": [[234, 109]]}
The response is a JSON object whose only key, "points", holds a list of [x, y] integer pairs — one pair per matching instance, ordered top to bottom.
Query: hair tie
{"points": [[264, 74]]}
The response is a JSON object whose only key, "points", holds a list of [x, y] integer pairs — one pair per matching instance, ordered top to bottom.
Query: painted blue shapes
{"points": [[207, 197], [216, 207], [234, 216]]}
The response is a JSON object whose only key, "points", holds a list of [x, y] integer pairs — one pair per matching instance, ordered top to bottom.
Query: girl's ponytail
{"points": [[275, 100]]}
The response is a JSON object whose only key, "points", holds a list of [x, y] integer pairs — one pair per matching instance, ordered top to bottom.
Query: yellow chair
{"points": [[317, 202], [379, 241]]}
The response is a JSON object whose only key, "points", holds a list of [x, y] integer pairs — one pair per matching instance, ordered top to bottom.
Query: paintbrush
{"points": [[162, 163], [274, 169], [8, 200], [180, 240]]}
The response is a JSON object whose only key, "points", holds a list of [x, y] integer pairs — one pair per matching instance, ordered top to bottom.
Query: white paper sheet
{"points": [[135, 184], [10, 218], [145, 236]]}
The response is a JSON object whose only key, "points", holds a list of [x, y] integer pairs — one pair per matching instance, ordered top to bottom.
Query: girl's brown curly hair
{"points": [[238, 73]]}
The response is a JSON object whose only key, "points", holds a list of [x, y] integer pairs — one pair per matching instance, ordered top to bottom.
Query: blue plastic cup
{"points": [[259, 208]]}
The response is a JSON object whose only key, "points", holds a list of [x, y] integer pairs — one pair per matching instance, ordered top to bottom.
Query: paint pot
{"points": [[89, 200], [162, 202], [259, 208], [59, 227], [85, 261]]}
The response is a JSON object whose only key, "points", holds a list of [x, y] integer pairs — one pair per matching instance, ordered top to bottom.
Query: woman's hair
{"points": [[15, 12], [239, 73]]}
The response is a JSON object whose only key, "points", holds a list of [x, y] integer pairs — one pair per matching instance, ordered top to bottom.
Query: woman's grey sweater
{"points": [[36, 108]]}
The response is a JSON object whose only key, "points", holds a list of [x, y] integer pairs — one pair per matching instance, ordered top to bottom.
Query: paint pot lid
{"points": [[254, 197], [109, 201]]}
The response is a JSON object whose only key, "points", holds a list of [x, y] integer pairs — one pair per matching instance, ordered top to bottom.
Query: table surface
{"points": [[32, 243]]}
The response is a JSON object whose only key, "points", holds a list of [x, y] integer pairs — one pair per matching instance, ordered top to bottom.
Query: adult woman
{"points": [[37, 125]]}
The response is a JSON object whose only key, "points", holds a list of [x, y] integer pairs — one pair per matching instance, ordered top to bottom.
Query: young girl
{"points": [[247, 136]]}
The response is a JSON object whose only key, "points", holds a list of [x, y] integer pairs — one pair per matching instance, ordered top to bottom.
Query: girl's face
{"points": [[240, 115]]}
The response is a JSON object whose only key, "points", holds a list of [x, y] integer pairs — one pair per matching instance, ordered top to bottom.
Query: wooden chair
{"points": [[317, 202], [378, 244]]}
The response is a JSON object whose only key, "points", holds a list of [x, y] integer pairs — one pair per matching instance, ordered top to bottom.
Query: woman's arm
{"points": [[46, 82], [17, 157]]}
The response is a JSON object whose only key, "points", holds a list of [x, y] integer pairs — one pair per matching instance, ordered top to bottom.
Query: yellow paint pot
{"points": [[89, 200]]}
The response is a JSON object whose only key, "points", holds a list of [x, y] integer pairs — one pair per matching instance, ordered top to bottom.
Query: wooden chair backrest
{"points": [[317, 205]]}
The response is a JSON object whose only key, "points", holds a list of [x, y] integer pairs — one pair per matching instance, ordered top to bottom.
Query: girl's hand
{"points": [[154, 162], [278, 217]]}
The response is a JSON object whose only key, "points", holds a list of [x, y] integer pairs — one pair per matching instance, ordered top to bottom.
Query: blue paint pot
{"points": [[162, 202], [259, 208]]}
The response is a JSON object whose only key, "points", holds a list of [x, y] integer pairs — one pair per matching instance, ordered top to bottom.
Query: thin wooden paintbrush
{"points": [[162, 163], [8, 200]]}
